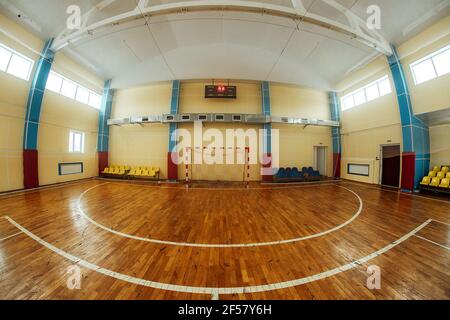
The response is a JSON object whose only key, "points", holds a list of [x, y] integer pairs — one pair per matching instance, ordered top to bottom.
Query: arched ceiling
{"points": [[225, 43]]}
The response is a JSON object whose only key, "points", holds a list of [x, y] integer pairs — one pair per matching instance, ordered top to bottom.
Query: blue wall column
{"points": [[33, 114], [103, 128], [336, 134], [416, 136], [172, 156], [267, 174]]}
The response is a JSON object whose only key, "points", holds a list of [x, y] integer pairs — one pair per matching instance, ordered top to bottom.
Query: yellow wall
{"points": [[434, 94], [13, 100], [58, 116], [366, 127], [297, 143], [141, 145], [148, 145], [440, 145]]}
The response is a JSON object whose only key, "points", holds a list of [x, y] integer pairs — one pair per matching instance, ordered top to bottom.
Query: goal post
{"points": [[217, 164]]}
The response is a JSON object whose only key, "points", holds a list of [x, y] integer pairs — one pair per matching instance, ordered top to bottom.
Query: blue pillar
{"points": [[33, 113], [103, 128], [415, 133], [336, 134], [172, 166], [267, 174]]}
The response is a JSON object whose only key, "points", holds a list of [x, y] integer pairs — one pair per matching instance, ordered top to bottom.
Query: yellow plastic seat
{"points": [[436, 168], [156, 169], [444, 169], [106, 170], [115, 171], [121, 172], [132, 172], [138, 173], [145, 173], [151, 174], [432, 174], [440, 175], [447, 176], [426, 181], [435, 182], [445, 183]]}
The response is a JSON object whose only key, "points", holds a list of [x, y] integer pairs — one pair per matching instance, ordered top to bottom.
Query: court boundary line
{"points": [[374, 187], [441, 222], [11, 236], [432, 242], [205, 245], [216, 292]]}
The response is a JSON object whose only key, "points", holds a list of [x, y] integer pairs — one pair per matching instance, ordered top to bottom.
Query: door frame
{"points": [[326, 159], [380, 178]]}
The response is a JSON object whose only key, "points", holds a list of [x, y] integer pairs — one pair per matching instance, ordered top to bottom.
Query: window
{"points": [[14, 63], [435, 65], [54, 82], [70, 89], [372, 91], [82, 95], [95, 100], [76, 142]]}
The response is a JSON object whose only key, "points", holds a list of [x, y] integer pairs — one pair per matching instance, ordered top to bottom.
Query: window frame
{"points": [[20, 55], [430, 58], [77, 87], [363, 90], [72, 134]]}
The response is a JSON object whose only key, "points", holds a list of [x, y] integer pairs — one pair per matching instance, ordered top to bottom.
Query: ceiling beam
{"points": [[356, 30]]}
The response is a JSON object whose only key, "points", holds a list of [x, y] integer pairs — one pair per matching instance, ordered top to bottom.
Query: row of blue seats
{"points": [[296, 173]]}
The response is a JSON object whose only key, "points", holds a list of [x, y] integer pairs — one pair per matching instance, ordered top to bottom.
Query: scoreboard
{"points": [[223, 92]]}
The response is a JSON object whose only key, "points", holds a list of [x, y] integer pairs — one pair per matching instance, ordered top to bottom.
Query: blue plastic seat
{"points": [[281, 173]]}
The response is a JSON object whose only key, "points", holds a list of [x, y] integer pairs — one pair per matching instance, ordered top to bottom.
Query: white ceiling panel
{"points": [[223, 43]]}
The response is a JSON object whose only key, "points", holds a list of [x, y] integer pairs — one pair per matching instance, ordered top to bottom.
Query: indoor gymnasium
{"points": [[225, 150]]}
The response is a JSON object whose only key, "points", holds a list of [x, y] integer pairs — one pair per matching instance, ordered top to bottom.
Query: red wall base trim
{"points": [[103, 161], [336, 165], [172, 166], [30, 169], [408, 170], [267, 173]]}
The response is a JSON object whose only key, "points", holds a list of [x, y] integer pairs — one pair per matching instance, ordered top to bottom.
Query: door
{"points": [[321, 160], [390, 166]]}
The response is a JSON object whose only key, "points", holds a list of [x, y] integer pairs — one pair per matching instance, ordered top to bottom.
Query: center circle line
{"points": [[205, 245]]}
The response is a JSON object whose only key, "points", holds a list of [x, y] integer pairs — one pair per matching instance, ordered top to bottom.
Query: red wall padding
{"points": [[267, 157], [103, 161], [336, 165], [172, 167], [30, 169], [408, 170]]}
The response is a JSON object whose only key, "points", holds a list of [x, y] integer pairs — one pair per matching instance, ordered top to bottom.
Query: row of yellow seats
{"points": [[120, 167], [155, 169], [444, 169], [115, 171], [142, 173], [438, 177], [436, 182]]}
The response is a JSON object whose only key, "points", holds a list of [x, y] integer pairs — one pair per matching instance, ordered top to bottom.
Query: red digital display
{"points": [[221, 91]]}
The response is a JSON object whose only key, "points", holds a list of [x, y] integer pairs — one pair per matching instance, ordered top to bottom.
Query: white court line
{"points": [[397, 191], [441, 222], [11, 236], [435, 243], [205, 245], [215, 292]]}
